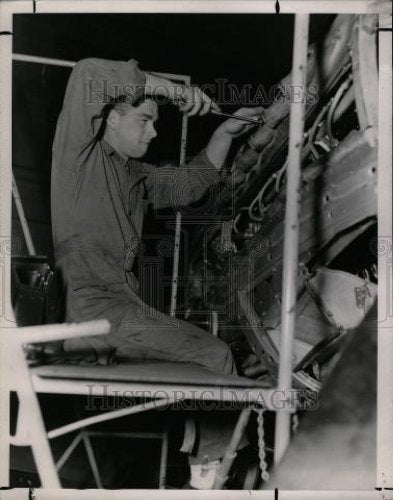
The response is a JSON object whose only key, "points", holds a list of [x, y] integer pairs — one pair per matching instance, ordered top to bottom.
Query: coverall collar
{"points": [[111, 151], [135, 168]]}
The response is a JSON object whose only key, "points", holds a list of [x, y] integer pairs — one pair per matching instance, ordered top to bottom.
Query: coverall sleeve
{"points": [[92, 84], [171, 186]]}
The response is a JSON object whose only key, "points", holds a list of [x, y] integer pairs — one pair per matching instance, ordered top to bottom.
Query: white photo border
{"points": [[384, 479]]}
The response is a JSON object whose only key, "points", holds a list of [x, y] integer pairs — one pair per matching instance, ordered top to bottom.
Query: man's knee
{"points": [[222, 357]]}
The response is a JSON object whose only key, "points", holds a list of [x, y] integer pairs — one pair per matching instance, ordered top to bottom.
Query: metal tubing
{"points": [[43, 60], [70, 64], [172, 76], [336, 99], [344, 104], [22, 218], [291, 233], [176, 250], [175, 268], [214, 323], [61, 331], [262, 396], [65, 429], [37, 433], [128, 435], [22, 436], [231, 451], [68, 452], [92, 459], [163, 459], [384, 467]]}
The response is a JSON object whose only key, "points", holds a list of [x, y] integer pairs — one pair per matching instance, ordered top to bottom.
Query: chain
{"points": [[261, 445]]}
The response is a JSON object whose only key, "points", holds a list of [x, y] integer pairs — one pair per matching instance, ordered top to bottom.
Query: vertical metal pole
{"points": [[22, 218], [291, 235], [176, 252], [385, 264], [6, 316], [214, 323], [39, 442], [163, 459]]}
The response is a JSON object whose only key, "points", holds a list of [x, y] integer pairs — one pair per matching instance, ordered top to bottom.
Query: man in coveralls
{"points": [[98, 195]]}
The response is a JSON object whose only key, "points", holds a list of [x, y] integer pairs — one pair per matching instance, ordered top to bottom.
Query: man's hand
{"points": [[190, 100], [235, 128], [221, 140]]}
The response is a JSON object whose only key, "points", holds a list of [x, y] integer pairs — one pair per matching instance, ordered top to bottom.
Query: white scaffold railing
{"points": [[291, 232]]}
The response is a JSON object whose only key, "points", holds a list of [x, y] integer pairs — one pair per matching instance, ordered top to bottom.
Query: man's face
{"points": [[135, 130]]}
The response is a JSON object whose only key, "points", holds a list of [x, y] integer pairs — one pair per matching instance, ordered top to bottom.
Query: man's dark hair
{"points": [[120, 104]]}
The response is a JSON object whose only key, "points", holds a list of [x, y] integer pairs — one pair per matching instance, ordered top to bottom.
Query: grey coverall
{"points": [[98, 202]]}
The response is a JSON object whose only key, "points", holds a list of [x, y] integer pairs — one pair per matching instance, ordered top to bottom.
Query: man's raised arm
{"points": [[96, 82], [93, 84]]}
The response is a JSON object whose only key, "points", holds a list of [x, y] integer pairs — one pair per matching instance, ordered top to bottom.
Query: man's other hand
{"points": [[190, 100], [234, 128], [221, 140]]}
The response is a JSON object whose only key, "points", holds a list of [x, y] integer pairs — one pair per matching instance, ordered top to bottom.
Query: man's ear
{"points": [[113, 119]]}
